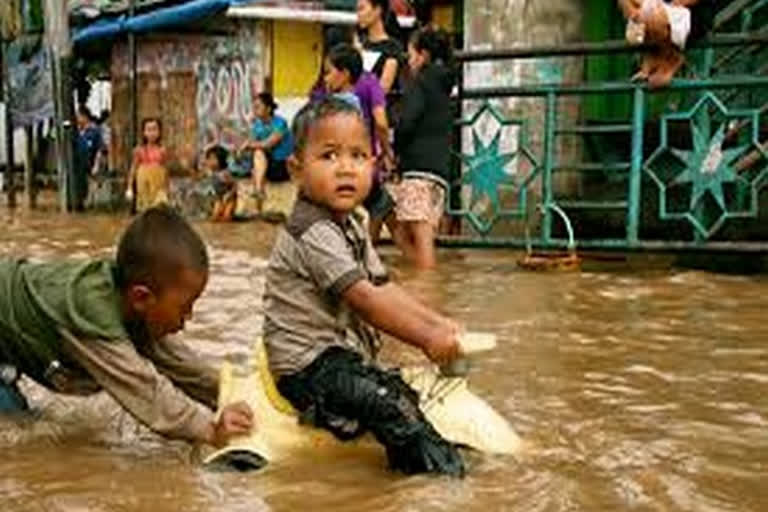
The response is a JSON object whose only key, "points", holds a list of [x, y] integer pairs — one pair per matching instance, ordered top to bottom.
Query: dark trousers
{"points": [[77, 191], [339, 393]]}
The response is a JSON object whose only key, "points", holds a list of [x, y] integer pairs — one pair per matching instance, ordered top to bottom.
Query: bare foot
{"points": [[647, 67], [664, 74]]}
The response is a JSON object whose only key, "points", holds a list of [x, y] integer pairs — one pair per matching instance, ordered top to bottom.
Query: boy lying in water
{"points": [[327, 293], [79, 327]]}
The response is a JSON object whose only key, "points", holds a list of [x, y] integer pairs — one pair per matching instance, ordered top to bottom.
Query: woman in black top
{"points": [[378, 31], [382, 53], [423, 144]]}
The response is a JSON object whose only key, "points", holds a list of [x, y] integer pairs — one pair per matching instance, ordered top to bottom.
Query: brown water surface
{"points": [[637, 390]]}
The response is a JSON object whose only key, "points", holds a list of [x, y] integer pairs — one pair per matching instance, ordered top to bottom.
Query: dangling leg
{"points": [[670, 61]]}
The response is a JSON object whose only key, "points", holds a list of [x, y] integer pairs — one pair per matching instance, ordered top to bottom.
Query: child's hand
{"points": [[444, 346], [234, 420]]}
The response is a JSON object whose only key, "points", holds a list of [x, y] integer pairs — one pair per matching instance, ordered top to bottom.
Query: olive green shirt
{"points": [[61, 324]]}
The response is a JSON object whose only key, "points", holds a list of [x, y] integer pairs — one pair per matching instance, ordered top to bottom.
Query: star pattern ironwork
{"points": [[707, 167], [486, 169]]}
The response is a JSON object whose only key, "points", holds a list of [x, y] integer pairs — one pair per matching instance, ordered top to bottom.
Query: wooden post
{"points": [[57, 36], [9, 148], [29, 169]]}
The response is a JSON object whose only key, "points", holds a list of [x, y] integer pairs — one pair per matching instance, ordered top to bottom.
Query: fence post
{"points": [[550, 125], [636, 166], [29, 169]]}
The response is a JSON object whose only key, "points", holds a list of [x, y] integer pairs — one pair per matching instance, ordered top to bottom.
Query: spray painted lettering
{"points": [[229, 74]]}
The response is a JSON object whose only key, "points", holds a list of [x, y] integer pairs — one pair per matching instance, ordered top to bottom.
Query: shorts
{"points": [[277, 170], [419, 200], [340, 393]]}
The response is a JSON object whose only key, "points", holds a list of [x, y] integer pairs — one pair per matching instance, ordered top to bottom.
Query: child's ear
{"points": [[294, 168], [140, 297]]}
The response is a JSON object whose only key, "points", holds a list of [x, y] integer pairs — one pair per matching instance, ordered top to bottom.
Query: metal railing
{"points": [[692, 176]]}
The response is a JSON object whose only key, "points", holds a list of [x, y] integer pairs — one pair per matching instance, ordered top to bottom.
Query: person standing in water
{"points": [[382, 53], [384, 57], [423, 141], [271, 143], [88, 144], [148, 177]]}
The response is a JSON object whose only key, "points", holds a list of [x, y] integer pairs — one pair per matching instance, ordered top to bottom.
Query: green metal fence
{"points": [[682, 169]]}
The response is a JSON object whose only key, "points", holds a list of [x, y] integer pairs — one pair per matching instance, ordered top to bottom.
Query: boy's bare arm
{"points": [[391, 310], [425, 313]]}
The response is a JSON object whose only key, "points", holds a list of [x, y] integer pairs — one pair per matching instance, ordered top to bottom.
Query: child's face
{"points": [[367, 14], [416, 58], [336, 80], [260, 110], [82, 121], [152, 131], [211, 162], [335, 167], [166, 311]]}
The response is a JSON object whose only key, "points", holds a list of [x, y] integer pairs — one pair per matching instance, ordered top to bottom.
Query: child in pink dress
{"points": [[149, 176]]}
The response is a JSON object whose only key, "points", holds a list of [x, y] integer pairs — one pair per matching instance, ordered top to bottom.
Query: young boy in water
{"points": [[327, 292], [79, 327]]}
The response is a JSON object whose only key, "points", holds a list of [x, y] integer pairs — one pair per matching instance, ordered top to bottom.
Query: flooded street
{"points": [[637, 390]]}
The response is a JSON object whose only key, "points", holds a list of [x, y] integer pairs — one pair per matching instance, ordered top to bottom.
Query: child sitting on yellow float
{"points": [[327, 293]]}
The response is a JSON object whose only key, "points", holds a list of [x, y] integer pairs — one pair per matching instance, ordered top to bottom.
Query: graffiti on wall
{"points": [[229, 75], [202, 87]]}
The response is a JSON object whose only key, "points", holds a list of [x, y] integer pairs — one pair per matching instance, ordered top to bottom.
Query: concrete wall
{"points": [[497, 24]]}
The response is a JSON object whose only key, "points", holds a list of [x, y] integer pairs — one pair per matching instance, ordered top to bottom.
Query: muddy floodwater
{"points": [[636, 387]]}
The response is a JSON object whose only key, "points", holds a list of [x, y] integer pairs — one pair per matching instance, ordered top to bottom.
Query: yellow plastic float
{"points": [[459, 415]]}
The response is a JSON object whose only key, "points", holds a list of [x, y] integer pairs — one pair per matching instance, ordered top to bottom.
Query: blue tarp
{"points": [[158, 19]]}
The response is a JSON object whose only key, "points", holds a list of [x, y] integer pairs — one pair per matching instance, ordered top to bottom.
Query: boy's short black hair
{"points": [[345, 57], [315, 111], [221, 154], [155, 247]]}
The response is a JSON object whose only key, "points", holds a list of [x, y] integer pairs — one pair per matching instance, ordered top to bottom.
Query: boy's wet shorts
{"points": [[379, 202]]}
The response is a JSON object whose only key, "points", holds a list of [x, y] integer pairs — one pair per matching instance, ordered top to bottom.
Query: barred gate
{"points": [[681, 168]]}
